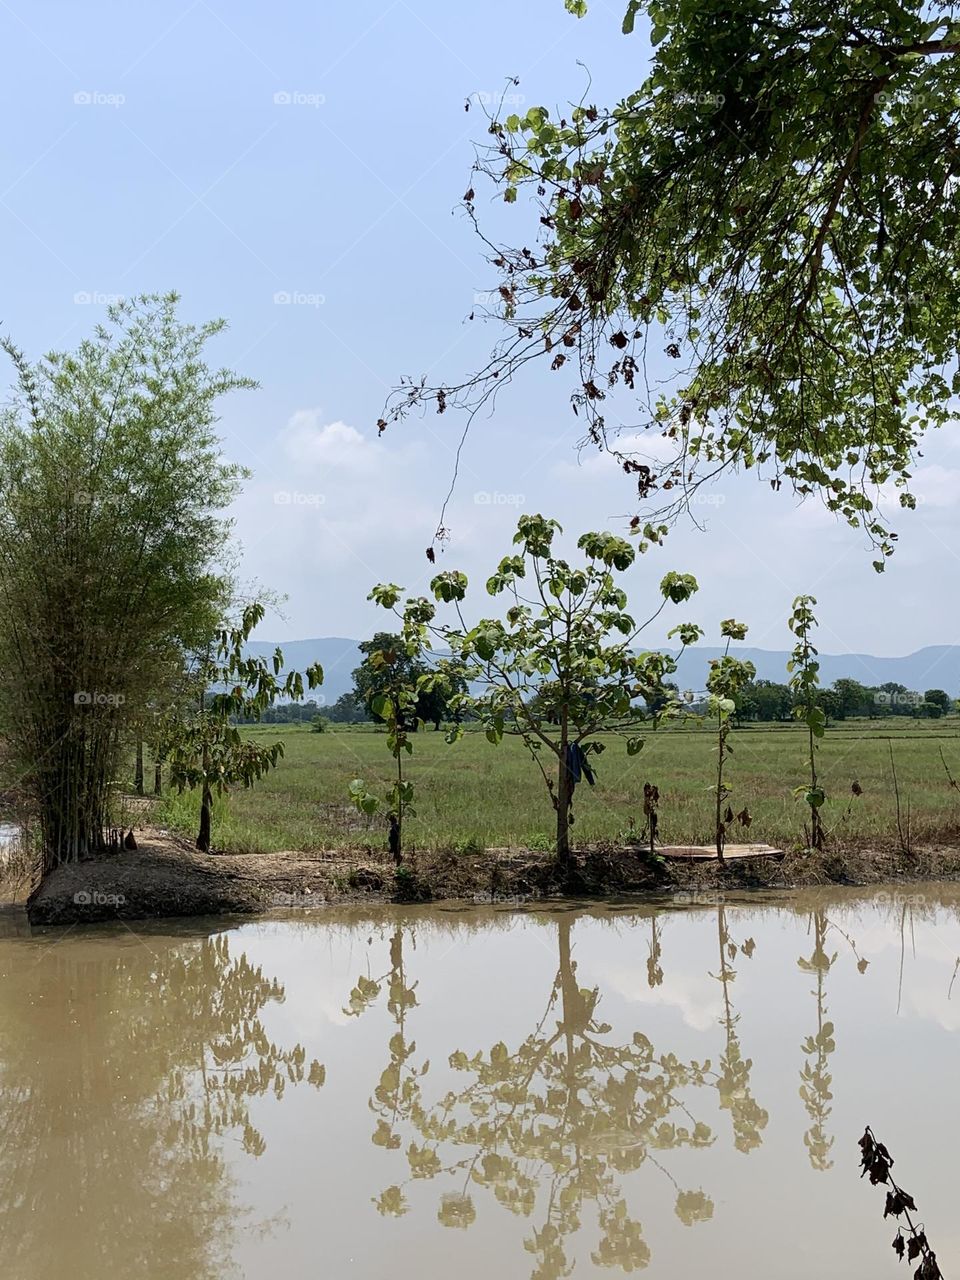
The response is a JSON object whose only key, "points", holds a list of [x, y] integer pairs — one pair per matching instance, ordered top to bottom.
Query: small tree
{"points": [[559, 669], [726, 680], [805, 682], [404, 685], [938, 698], [205, 748]]}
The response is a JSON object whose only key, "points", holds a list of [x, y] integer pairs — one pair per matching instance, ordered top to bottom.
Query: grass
{"points": [[473, 795]]}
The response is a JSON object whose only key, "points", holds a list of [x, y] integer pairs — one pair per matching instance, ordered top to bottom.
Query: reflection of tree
{"points": [[654, 967], [121, 1070], [815, 1077], [733, 1083], [397, 1095], [549, 1128]]}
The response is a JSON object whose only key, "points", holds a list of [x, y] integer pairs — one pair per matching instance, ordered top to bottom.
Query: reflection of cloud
{"points": [[931, 948], [695, 996], [931, 1004], [307, 1007]]}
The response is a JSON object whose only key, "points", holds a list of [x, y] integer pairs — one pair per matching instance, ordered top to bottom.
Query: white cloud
{"points": [[332, 509]]}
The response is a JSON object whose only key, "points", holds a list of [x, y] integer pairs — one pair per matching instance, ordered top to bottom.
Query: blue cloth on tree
{"points": [[577, 764]]}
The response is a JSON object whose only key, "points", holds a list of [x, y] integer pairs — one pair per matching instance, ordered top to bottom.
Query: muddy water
{"points": [[483, 1093]]}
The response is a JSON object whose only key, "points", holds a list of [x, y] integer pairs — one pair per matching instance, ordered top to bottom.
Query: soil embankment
{"points": [[165, 877]]}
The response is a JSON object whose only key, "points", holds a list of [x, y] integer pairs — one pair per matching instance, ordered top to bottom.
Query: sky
{"points": [[297, 169]]}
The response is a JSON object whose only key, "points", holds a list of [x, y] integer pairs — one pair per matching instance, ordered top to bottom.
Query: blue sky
{"points": [[243, 154]]}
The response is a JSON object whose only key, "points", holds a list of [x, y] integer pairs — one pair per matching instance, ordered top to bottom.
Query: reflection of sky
{"points": [[894, 1066], [774, 1214]]}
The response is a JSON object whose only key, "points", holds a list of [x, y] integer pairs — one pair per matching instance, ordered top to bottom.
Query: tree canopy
{"points": [[775, 209], [387, 663]]}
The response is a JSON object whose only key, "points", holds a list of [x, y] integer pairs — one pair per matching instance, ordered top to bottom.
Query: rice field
{"points": [[473, 795]]}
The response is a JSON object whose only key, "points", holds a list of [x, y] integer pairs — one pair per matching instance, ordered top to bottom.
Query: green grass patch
{"points": [[472, 795]]}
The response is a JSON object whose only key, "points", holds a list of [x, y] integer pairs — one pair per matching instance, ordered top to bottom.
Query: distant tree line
{"points": [[766, 700], [760, 701]]}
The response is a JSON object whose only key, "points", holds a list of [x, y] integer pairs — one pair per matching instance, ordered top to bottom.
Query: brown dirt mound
{"points": [[165, 877]]}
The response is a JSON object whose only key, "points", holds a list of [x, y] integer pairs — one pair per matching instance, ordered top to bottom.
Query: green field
{"points": [[475, 795]]}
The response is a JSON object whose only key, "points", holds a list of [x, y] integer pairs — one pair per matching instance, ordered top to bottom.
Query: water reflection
{"points": [[122, 1069], [733, 1083], [533, 1094], [548, 1126]]}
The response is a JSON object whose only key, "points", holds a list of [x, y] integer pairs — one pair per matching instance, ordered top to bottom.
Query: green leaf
{"points": [[383, 707]]}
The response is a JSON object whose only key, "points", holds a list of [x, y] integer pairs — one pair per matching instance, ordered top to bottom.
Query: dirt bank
{"points": [[165, 877]]}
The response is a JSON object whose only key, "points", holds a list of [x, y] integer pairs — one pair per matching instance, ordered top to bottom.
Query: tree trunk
{"points": [[138, 770], [157, 778], [564, 798], [206, 803]]}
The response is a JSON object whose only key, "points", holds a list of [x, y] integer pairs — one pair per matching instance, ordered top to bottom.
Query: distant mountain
{"points": [[338, 657], [936, 667]]}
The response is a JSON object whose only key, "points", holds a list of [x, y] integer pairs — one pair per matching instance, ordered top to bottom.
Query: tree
{"points": [[774, 206], [112, 485], [568, 641], [386, 664], [726, 680], [805, 683], [405, 686], [853, 698], [938, 698], [660, 699], [764, 700], [830, 703], [346, 710], [206, 748]]}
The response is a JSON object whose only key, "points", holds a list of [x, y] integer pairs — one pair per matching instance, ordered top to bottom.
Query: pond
{"points": [[481, 1092]]}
